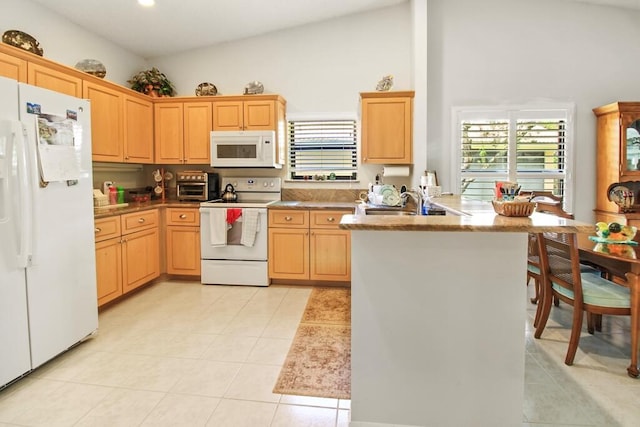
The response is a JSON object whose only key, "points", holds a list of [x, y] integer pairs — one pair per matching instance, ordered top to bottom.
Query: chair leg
{"points": [[536, 283], [634, 285], [556, 301], [544, 307], [591, 321], [598, 322], [576, 328]]}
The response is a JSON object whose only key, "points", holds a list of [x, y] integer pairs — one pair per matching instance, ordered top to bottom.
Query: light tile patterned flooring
{"points": [[183, 354]]}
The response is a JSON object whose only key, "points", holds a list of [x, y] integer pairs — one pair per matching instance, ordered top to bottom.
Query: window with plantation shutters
{"points": [[528, 146], [323, 149]]}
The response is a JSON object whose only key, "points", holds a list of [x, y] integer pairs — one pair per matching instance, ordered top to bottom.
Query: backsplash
{"points": [[320, 195]]}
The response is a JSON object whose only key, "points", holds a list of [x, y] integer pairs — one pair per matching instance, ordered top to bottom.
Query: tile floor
{"points": [[183, 354]]}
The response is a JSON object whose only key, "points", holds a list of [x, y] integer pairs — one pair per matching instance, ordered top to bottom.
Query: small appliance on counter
{"points": [[198, 185]]}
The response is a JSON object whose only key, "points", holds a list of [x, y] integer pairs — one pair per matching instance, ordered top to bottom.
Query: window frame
{"points": [[512, 113], [324, 116]]}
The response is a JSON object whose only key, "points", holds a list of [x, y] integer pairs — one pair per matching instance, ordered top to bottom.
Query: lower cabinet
{"points": [[183, 241], [308, 245], [127, 253], [108, 258]]}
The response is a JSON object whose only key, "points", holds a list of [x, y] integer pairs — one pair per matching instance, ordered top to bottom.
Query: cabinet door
{"points": [[13, 68], [55, 80], [227, 115], [259, 115], [198, 118], [106, 122], [138, 130], [387, 130], [169, 131], [183, 250], [288, 253], [330, 255], [140, 258], [109, 269]]}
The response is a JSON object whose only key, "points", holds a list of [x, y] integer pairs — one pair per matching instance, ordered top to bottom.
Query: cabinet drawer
{"points": [[183, 216], [288, 218], [327, 219], [139, 221], [107, 228]]}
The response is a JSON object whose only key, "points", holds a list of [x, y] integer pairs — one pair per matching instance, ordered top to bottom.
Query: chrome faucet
{"points": [[417, 198]]}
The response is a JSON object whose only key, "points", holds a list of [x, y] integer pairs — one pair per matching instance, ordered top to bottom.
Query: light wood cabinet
{"points": [[13, 68], [54, 79], [256, 114], [106, 122], [121, 124], [387, 127], [137, 130], [182, 132], [617, 159], [183, 241], [288, 244], [308, 245], [330, 247], [140, 248], [127, 253], [108, 259]]}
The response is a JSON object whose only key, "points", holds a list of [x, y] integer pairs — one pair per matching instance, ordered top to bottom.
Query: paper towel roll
{"points": [[395, 171]]}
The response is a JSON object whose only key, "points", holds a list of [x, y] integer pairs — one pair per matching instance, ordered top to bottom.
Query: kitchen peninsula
{"points": [[438, 315]]}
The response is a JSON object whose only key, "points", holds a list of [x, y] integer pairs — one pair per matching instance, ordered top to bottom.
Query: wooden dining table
{"points": [[623, 262]]}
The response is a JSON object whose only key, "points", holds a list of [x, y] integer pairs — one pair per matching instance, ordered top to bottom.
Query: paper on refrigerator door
{"points": [[58, 154]]}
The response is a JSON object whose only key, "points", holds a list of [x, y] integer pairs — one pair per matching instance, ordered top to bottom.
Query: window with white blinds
{"points": [[531, 147], [323, 148]]}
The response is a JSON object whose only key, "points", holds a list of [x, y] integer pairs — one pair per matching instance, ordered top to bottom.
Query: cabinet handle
{"points": [[183, 216], [287, 218], [331, 219], [140, 220], [97, 230]]}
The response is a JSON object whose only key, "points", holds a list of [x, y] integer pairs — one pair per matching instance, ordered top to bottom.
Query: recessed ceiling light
{"points": [[147, 3]]}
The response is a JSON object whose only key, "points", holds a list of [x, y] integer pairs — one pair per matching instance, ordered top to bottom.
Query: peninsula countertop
{"points": [[464, 215]]}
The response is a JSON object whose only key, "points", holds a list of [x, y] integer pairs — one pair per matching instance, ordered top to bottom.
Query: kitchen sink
{"points": [[388, 212]]}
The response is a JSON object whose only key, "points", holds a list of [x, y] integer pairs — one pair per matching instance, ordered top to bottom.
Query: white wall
{"points": [[67, 43], [520, 51], [317, 68]]}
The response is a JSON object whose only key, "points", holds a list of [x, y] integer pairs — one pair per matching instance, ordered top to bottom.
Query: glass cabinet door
{"points": [[630, 141]]}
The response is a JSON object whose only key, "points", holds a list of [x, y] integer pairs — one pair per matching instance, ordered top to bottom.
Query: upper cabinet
{"points": [[13, 68], [54, 79], [261, 112], [106, 122], [121, 124], [387, 127], [138, 129], [182, 132], [618, 149]]}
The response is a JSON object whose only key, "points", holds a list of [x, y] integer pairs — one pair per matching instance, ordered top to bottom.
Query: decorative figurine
{"points": [[385, 84], [253, 88]]}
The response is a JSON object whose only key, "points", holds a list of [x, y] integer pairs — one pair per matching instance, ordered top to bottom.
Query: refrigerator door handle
{"points": [[24, 208]]}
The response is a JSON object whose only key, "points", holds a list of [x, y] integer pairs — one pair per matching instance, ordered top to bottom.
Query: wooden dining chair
{"points": [[546, 202], [585, 292]]}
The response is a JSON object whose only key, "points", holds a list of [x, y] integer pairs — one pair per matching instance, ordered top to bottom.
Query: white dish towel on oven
{"points": [[249, 226], [217, 227]]}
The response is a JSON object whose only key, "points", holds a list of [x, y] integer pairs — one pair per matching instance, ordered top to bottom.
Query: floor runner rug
{"points": [[319, 361]]}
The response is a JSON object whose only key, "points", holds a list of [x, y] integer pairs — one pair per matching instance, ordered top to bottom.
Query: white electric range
{"points": [[233, 235]]}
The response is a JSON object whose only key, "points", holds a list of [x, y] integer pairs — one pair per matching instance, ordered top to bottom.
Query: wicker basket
{"points": [[512, 208]]}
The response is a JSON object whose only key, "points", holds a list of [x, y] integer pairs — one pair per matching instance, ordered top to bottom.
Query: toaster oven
{"points": [[197, 186]]}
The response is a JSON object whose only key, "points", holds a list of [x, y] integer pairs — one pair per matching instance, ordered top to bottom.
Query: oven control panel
{"points": [[251, 184]]}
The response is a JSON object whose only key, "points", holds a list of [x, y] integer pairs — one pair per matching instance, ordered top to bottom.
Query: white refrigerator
{"points": [[48, 297]]}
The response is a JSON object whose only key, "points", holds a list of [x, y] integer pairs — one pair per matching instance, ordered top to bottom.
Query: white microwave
{"points": [[245, 149]]}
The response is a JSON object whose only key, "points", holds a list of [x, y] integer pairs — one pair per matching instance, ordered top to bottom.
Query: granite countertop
{"points": [[327, 205], [138, 207], [464, 215]]}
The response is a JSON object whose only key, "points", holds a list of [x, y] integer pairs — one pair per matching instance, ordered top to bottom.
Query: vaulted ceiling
{"points": [[177, 25]]}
